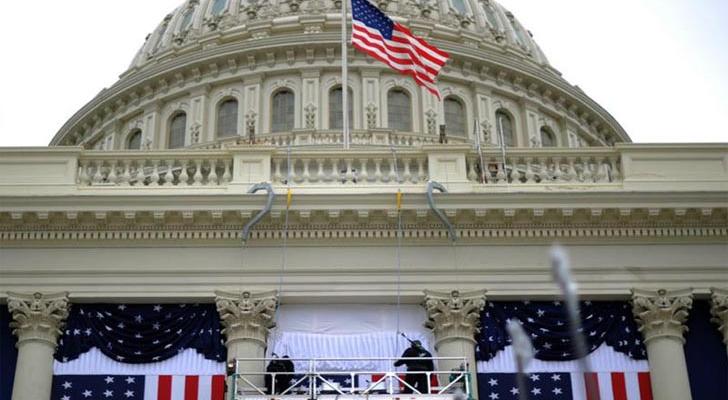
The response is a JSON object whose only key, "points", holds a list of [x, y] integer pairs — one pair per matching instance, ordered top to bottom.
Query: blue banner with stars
{"points": [[547, 324], [139, 334]]}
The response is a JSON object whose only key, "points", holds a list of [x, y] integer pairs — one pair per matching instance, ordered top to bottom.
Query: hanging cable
{"points": [[400, 234], [284, 260]]}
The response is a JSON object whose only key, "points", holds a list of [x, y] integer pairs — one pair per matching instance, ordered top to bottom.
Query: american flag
{"points": [[378, 36], [567, 386], [138, 387]]}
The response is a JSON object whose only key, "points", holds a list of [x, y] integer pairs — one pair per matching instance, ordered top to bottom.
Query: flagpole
{"points": [[344, 76]]}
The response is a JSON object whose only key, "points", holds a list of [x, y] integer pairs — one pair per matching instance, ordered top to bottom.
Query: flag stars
{"points": [[534, 377], [556, 377], [109, 379], [130, 380], [493, 382], [67, 385], [514, 391], [536, 391], [557, 391], [87, 393], [108, 393], [129, 393], [494, 396], [66, 398]]}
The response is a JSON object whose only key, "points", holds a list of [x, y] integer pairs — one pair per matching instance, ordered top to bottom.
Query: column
{"points": [[719, 310], [661, 317], [247, 318], [454, 318], [37, 322]]}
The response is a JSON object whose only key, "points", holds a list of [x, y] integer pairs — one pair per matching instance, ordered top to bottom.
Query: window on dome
{"points": [[459, 6], [218, 7], [490, 15], [187, 19], [336, 108], [399, 110], [283, 111], [227, 118], [455, 123], [504, 124], [177, 131], [548, 139], [134, 140]]}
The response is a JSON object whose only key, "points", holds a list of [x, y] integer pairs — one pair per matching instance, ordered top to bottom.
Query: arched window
{"points": [[459, 6], [218, 7], [490, 15], [187, 19], [162, 31], [336, 108], [399, 110], [282, 111], [227, 118], [455, 124], [504, 124], [177, 131], [547, 137], [134, 140]]}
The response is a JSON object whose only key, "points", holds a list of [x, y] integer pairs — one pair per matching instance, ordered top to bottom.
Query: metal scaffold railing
{"points": [[334, 378]]}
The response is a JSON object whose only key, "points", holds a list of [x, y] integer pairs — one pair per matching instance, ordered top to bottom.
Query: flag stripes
{"points": [[378, 36], [568, 386], [139, 387]]}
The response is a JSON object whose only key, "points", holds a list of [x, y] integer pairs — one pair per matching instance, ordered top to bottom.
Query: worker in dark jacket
{"points": [[417, 359], [282, 367]]}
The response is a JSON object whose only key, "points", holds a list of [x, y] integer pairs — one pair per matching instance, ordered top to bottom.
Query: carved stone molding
{"points": [[719, 310], [662, 313], [454, 315], [247, 316], [38, 317]]}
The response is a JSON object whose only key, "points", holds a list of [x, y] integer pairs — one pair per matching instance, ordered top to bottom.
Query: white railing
{"points": [[378, 137], [540, 166], [360, 168], [142, 169], [315, 382]]}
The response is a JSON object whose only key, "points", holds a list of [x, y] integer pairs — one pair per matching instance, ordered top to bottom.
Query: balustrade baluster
{"points": [[349, 170], [377, 170], [529, 171], [363, 172], [472, 173], [306, 174], [571, 174], [616, 174], [98, 175], [125, 175], [169, 175], [321, 175], [587, 175], [227, 176], [407, 176], [421, 176], [500, 176], [515, 176], [112, 177], [184, 177], [198, 177], [213, 177], [277, 177], [154, 178]]}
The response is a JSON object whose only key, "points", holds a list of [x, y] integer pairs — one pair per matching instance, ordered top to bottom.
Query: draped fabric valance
{"points": [[547, 324], [138, 334]]}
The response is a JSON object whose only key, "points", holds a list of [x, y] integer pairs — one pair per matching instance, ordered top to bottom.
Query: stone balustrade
{"points": [[302, 137], [546, 166], [235, 167], [361, 168], [140, 169]]}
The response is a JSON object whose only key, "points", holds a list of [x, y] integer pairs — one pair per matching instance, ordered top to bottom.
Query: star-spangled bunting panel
{"points": [[547, 324], [138, 334], [567, 386], [138, 387]]}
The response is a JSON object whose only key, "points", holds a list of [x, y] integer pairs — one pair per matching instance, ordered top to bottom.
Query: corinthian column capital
{"points": [[719, 310], [662, 313], [454, 315], [247, 316], [38, 317]]}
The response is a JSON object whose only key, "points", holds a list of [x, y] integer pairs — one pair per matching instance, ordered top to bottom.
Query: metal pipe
{"points": [[431, 186], [258, 217]]}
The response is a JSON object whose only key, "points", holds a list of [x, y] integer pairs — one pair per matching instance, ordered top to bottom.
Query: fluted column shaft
{"points": [[719, 310], [661, 317], [247, 319], [455, 319], [37, 322]]}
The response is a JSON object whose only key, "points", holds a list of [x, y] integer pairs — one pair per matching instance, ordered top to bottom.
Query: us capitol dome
{"points": [[217, 70], [212, 181]]}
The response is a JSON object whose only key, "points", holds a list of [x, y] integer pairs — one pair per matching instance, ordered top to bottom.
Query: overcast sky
{"points": [[659, 66]]}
